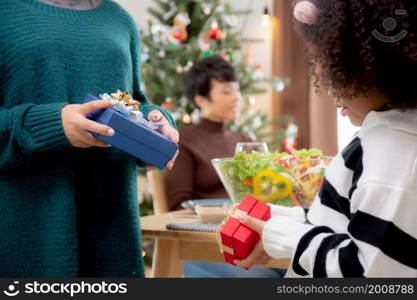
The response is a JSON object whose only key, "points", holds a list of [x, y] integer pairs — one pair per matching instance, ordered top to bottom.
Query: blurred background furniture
{"points": [[173, 247]]}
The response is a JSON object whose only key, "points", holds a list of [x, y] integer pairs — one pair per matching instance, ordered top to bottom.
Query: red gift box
{"points": [[238, 240]]}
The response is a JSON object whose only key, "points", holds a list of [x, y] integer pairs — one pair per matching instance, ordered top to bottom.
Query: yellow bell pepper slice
{"points": [[269, 186]]}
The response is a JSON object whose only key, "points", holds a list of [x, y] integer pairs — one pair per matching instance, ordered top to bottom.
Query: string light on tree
{"points": [[206, 9], [155, 28], [161, 53], [145, 57], [179, 69], [186, 119]]}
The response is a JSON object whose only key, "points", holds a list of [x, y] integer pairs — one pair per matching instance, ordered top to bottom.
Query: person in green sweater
{"points": [[68, 202]]}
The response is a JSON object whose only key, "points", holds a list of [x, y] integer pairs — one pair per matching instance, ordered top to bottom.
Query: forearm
{"points": [[29, 129], [297, 213], [377, 241]]}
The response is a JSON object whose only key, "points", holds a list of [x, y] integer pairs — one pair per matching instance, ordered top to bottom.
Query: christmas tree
{"points": [[180, 32]]}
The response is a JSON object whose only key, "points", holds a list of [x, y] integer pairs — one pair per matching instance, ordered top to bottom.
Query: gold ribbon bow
{"points": [[127, 99]]}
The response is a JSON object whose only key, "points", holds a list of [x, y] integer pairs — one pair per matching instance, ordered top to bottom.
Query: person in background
{"points": [[212, 84], [68, 202], [363, 222]]}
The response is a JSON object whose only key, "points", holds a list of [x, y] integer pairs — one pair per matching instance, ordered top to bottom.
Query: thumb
{"points": [[155, 115], [251, 222]]}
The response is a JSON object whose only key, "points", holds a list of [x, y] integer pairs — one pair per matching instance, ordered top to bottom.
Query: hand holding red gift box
{"points": [[239, 243], [258, 255]]}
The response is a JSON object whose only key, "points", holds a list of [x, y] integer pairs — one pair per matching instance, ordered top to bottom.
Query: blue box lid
{"points": [[134, 138]]}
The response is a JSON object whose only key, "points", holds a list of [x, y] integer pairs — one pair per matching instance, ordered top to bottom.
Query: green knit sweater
{"points": [[65, 211]]}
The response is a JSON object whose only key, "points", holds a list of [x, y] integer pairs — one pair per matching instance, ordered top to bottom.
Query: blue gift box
{"points": [[134, 138]]}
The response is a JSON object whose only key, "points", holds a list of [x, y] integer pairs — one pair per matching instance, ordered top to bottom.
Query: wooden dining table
{"points": [[172, 247]]}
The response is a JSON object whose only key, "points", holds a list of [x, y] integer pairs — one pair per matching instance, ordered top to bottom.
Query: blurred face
{"points": [[223, 103], [356, 109]]}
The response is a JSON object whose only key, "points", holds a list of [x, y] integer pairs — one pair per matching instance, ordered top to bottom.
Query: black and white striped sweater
{"points": [[363, 222]]}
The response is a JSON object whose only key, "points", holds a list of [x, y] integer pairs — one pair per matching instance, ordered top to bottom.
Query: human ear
{"points": [[201, 101], [204, 105]]}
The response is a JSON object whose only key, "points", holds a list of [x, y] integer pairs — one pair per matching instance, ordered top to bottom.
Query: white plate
{"points": [[190, 204]]}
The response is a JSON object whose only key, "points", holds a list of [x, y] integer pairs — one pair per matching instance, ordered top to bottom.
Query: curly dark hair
{"points": [[346, 55]]}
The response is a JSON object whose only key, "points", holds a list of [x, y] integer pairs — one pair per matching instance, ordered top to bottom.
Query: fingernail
{"points": [[111, 132], [241, 218]]}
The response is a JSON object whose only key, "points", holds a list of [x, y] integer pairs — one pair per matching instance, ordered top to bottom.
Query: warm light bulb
{"points": [[266, 18], [186, 119]]}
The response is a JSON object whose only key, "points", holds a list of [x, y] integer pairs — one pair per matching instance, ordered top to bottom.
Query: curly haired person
{"points": [[363, 222]]}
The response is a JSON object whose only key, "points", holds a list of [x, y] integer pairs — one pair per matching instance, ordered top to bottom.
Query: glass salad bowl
{"points": [[278, 178]]}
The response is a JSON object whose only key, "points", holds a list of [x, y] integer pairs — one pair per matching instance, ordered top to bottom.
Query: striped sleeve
{"points": [[365, 224], [380, 242]]}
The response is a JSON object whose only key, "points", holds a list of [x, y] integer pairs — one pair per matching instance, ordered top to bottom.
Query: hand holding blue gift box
{"points": [[133, 134]]}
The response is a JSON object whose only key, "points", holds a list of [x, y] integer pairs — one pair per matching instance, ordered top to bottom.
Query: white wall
{"points": [[137, 8], [251, 28], [345, 130]]}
